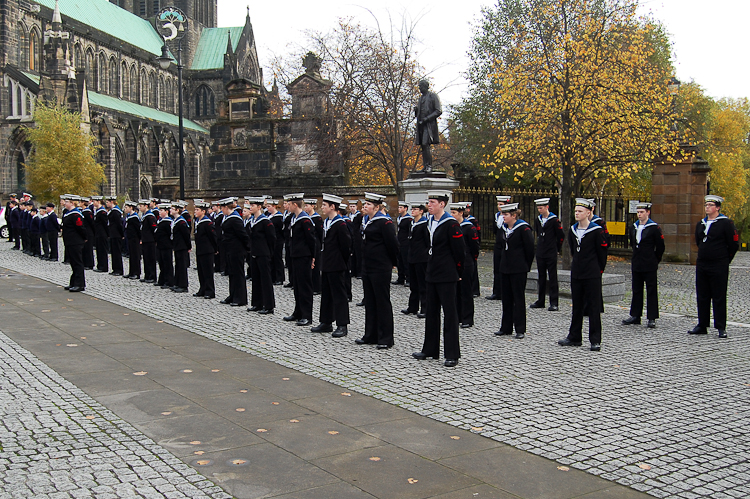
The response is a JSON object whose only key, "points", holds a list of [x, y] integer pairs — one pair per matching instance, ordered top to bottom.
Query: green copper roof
{"points": [[111, 19], [212, 46], [32, 77], [139, 111]]}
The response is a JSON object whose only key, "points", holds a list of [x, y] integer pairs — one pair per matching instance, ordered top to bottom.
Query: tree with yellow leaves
{"points": [[573, 91], [63, 157]]}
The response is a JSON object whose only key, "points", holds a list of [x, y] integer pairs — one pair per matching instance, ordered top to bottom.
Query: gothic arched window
{"points": [[34, 51], [133, 83], [204, 102]]}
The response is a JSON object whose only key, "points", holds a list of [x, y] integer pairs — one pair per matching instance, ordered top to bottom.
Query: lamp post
{"points": [[171, 23]]}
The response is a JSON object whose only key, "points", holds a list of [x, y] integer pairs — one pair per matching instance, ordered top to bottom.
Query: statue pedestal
{"points": [[416, 186]]}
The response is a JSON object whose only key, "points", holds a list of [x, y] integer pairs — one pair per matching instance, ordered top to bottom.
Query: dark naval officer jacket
{"points": [[648, 252]]}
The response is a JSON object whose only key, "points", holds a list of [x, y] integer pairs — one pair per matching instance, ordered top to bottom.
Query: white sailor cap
{"points": [[27, 195], [440, 195], [65, 196], [297, 196], [75, 197], [85, 198], [96, 198], [111, 198], [330, 198], [373, 198], [711, 198], [502, 199], [154, 200], [199, 200], [254, 200], [144, 201], [165, 201], [230, 201], [272, 201], [310, 201], [353, 201], [541, 201], [593, 202], [403, 203], [586, 203], [132, 204], [176, 204], [467, 204], [203, 205], [164, 206], [247, 206], [456, 206], [643, 206], [507, 208]]}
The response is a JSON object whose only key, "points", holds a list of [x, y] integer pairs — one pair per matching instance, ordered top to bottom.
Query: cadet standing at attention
{"points": [[403, 222], [133, 231], [101, 234], [116, 234], [74, 237], [163, 238], [549, 240], [262, 242], [148, 243], [236, 244], [181, 246], [206, 248], [302, 248], [497, 292]]}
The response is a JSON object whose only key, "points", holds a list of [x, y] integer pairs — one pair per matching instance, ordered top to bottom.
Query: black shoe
{"points": [[84, 268], [99, 270], [115, 273], [126, 276], [135, 277], [149, 281], [397, 282], [278, 283], [288, 285], [166, 286], [66, 288], [76, 289], [179, 290], [197, 294], [208, 297], [492, 297], [225, 301], [235, 304], [360, 304], [536, 304], [254, 308], [553, 308], [265, 311], [406, 311], [421, 315], [290, 318], [631, 320], [302, 322], [651, 324], [466, 325], [322, 328], [698, 330], [340, 332], [502, 333], [722, 333], [520, 336], [361, 341], [565, 342], [383, 347], [596, 347], [423, 356], [450, 362]]}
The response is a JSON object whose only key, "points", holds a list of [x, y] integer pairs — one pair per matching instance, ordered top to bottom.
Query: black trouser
{"points": [[11, 231], [17, 237], [25, 239], [52, 240], [36, 243], [45, 243], [115, 246], [134, 249], [88, 251], [101, 253], [75, 258], [288, 259], [353, 259], [219, 260], [149, 261], [248, 261], [277, 261], [181, 262], [402, 262], [205, 267], [545, 267], [235, 268], [166, 269], [316, 274], [348, 280], [475, 280], [711, 286], [417, 287], [497, 288], [303, 291], [586, 292], [465, 293], [441, 294], [262, 296], [652, 296], [333, 301], [514, 303], [378, 308]]}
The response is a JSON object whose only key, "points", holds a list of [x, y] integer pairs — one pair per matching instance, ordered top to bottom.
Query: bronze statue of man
{"points": [[427, 111]]}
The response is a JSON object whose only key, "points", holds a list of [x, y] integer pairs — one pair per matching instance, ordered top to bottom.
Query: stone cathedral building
{"points": [[99, 58]]}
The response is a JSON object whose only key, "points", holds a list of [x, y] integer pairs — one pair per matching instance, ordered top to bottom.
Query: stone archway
{"points": [[145, 187]]}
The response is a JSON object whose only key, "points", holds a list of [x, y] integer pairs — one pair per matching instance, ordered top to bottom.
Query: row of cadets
{"points": [[468, 216], [355, 217], [317, 220], [21, 221], [403, 224], [116, 233], [101, 234], [133, 236], [74, 237], [163, 238], [549, 240], [148, 241], [262, 242], [647, 242], [718, 242], [236, 243], [588, 245], [181, 246], [419, 246], [206, 247], [302, 250], [335, 252], [517, 254], [277, 257], [379, 257], [444, 271], [465, 291], [497, 293]]}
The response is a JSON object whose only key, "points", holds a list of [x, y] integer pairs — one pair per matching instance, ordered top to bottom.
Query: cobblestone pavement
{"points": [[676, 285], [658, 410], [57, 442]]}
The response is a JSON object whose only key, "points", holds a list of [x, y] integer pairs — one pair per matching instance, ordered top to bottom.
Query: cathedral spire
{"points": [[56, 18], [230, 51]]}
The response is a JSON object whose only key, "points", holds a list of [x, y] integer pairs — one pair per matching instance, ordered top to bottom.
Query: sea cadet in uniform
{"points": [[310, 206], [87, 210], [468, 216], [403, 223], [53, 231], [133, 233], [101, 234], [116, 234], [74, 237], [163, 238], [549, 240], [647, 242], [717, 242], [148, 243], [262, 243], [236, 244], [588, 245], [181, 246], [419, 247], [206, 248], [302, 248], [277, 258], [465, 290], [497, 292]]}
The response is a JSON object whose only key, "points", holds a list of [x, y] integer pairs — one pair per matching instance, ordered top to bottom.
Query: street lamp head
{"points": [[164, 59], [673, 86]]}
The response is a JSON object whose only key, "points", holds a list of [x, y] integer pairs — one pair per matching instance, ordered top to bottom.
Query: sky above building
{"points": [[708, 36]]}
